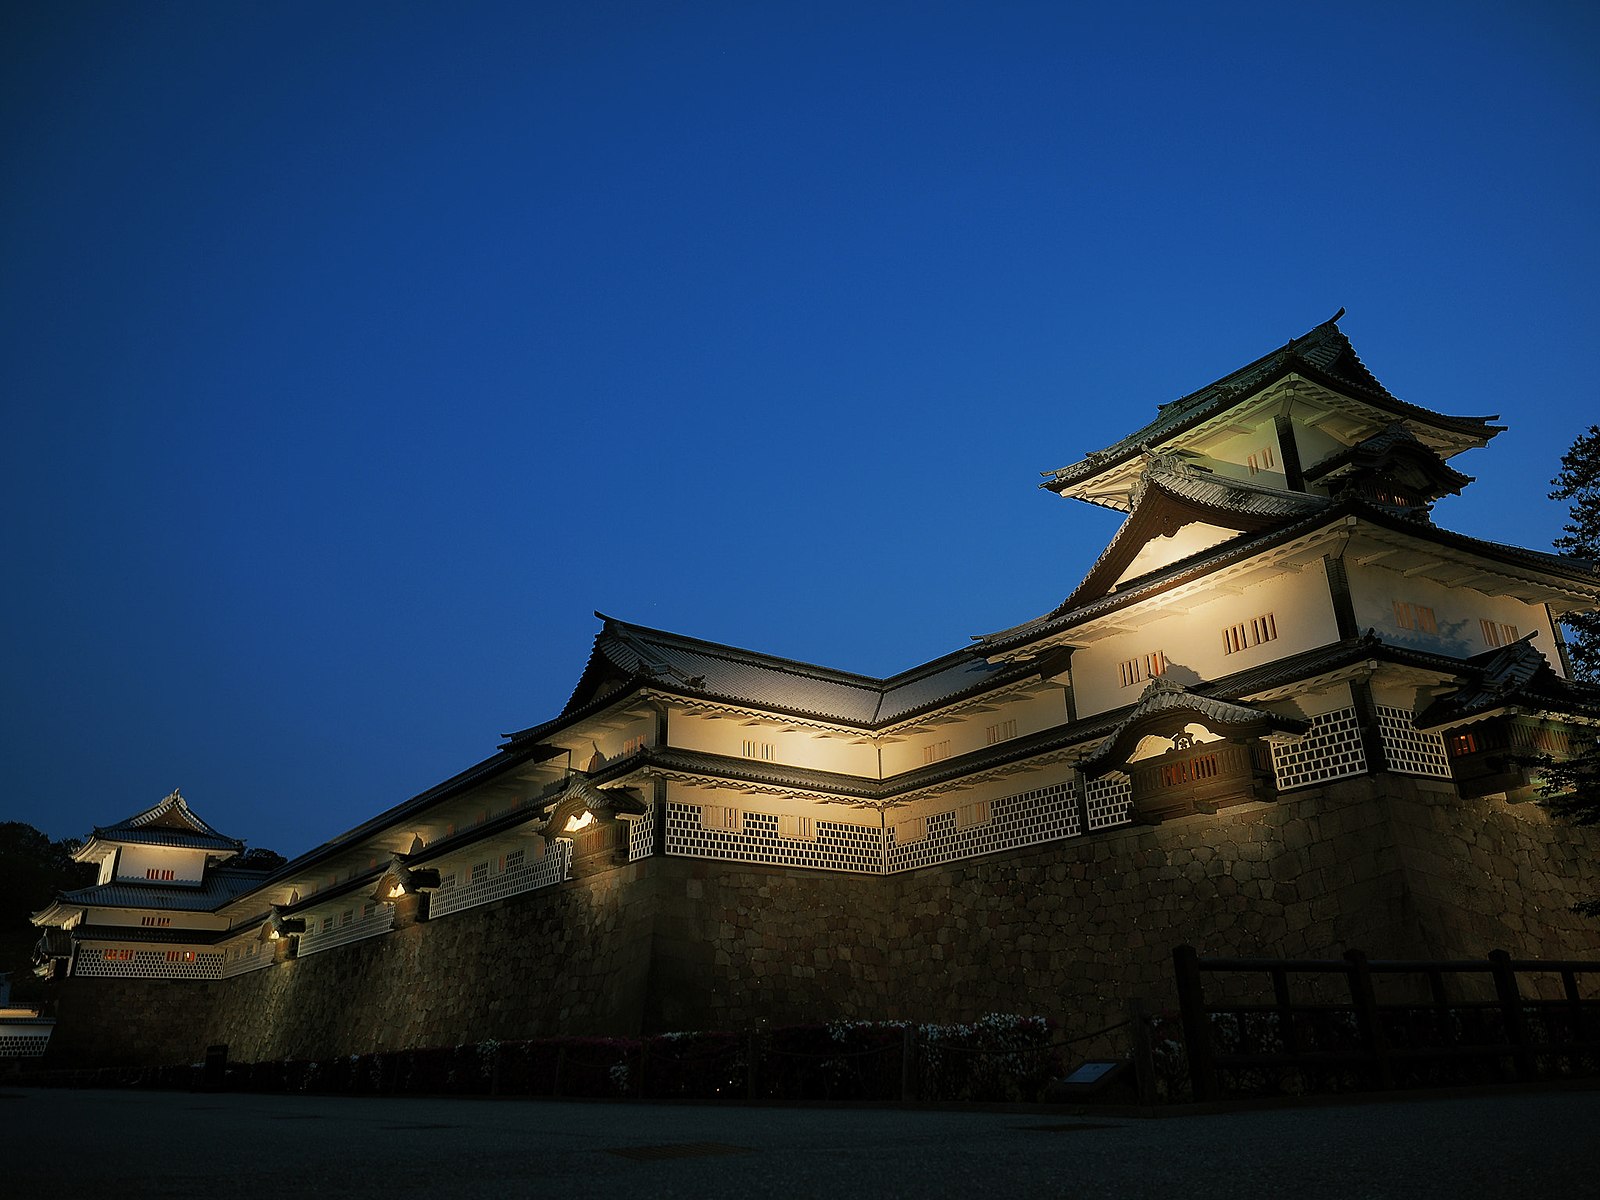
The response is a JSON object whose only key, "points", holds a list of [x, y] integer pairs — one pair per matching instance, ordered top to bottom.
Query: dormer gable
{"points": [[1392, 469], [1181, 509], [166, 843]]}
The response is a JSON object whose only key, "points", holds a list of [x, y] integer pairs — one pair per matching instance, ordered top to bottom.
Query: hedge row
{"points": [[998, 1058]]}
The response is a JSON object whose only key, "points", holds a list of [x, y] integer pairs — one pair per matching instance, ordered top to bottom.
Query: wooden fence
{"points": [[1452, 1023]]}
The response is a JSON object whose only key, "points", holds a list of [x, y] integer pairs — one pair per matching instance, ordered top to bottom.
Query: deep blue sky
{"points": [[353, 354]]}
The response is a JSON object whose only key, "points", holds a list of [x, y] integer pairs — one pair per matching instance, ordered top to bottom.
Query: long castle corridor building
{"points": [[1284, 713]]}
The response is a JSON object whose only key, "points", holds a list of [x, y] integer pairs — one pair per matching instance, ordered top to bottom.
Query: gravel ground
{"points": [[176, 1144]]}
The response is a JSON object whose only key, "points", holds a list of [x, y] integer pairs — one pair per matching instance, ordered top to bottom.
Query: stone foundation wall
{"points": [[1070, 929]]}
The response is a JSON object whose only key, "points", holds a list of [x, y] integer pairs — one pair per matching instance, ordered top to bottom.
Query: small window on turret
{"points": [[1260, 461], [1414, 616], [1496, 635]]}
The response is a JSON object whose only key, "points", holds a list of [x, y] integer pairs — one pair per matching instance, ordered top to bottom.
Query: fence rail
{"points": [[1500, 1034]]}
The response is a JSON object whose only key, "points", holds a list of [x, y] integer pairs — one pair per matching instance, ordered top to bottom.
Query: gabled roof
{"points": [[1324, 354], [1172, 494], [627, 656], [1515, 676], [1164, 699], [169, 823]]}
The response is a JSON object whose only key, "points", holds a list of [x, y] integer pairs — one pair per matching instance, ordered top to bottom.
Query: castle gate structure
{"points": [[1284, 713]]}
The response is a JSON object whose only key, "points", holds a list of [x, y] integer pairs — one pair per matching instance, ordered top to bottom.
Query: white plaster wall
{"points": [[1315, 446], [1231, 456], [1162, 551], [1456, 611], [1193, 644], [1314, 704], [1033, 713], [793, 747], [987, 789], [686, 792], [187, 866], [135, 916]]}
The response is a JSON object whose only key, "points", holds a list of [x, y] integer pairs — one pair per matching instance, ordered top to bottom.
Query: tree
{"points": [[1578, 483], [1570, 788], [259, 858], [32, 870]]}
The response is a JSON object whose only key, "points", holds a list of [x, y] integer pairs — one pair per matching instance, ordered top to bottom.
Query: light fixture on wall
{"points": [[400, 881], [277, 926]]}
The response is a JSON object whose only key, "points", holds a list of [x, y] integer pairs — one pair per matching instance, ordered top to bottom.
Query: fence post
{"points": [[1505, 986], [1365, 1001], [1196, 1028], [1144, 1062], [908, 1063]]}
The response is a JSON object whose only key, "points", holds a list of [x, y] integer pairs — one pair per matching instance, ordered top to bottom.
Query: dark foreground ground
{"points": [[222, 1147]]}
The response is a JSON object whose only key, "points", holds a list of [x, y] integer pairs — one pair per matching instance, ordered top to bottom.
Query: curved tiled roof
{"points": [[1324, 352], [629, 654], [170, 823], [220, 886]]}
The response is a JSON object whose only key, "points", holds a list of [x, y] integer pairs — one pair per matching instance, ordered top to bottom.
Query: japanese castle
{"points": [[1277, 613]]}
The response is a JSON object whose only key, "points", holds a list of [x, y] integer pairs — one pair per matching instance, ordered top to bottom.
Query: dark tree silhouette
{"points": [[1571, 789], [32, 870]]}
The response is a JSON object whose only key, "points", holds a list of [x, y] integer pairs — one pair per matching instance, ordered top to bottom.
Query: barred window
{"points": [[1250, 633], [1496, 634], [1147, 666], [1001, 732], [936, 752]]}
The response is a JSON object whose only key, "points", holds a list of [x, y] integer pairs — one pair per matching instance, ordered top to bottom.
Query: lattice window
{"points": [[1261, 460], [755, 748], [1331, 749], [1408, 749], [936, 752], [1109, 800], [1045, 814], [642, 835], [836, 847], [540, 872], [346, 931], [249, 955], [152, 964], [23, 1041]]}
